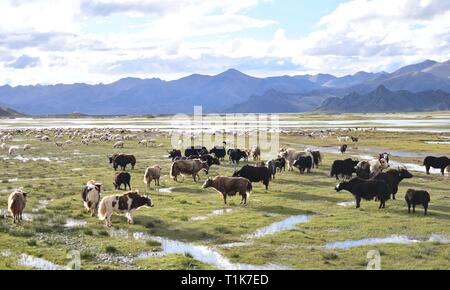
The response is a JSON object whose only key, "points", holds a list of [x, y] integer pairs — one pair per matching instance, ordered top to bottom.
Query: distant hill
{"points": [[424, 76], [229, 91], [384, 100], [274, 101], [7, 112]]}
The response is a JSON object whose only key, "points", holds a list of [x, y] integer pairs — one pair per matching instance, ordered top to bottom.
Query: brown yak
{"points": [[187, 167], [230, 186], [16, 204]]}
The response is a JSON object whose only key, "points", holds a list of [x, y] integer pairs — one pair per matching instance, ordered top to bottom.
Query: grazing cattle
{"points": [[354, 139], [143, 143], [118, 144], [3, 146], [26, 147], [343, 148], [12, 150], [196, 151], [219, 152], [256, 153], [174, 154], [236, 155], [291, 155], [384, 156], [317, 158], [122, 160], [210, 160], [436, 162], [304, 163], [280, 164], [377, 166], [187, 167], [272, 168], [343, 168], [363, 170], [152, 173], [255, 174], [393, 177], [122, 178], [230, 186], [366, 189], [91, 196], [417, 197], [126, 203], [16, 204]]}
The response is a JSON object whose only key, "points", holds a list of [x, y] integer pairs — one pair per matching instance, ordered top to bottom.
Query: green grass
{"points": [[290, 194]]}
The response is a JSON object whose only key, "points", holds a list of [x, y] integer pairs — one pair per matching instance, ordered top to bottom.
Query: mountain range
{"points": [[234, 91], [384, 100]]}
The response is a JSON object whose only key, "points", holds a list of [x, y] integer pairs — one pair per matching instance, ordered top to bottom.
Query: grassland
{"points": [[60, 182]]}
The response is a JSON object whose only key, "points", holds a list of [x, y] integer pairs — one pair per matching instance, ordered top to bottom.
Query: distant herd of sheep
{"points": [[375, 178]]}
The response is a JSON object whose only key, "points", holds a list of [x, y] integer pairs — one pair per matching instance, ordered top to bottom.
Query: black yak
{"points": [[436, 162], [255, 174], [366, 189], [416, 197]]}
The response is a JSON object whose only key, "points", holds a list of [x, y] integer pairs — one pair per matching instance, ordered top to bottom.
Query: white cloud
{"points": [[199, 36]]}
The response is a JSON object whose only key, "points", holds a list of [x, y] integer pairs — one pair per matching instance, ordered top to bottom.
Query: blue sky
{"points": [[297, 17], [67, 41]]}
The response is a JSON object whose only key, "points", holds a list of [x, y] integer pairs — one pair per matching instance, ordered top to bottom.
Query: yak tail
{"points": [[173, 171], [332, 173], [145, 176], [249, 188], [102, 210]]}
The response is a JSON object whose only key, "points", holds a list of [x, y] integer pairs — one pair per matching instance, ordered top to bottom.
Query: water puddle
{"points": [[438, 142], [415, 167], [166, 189], [42, 204], [347, 204], [212, 213], [73, 223], [284, 225], [276, 227], [437, 238], [395, 239], [370, 241], [201, 253], [209, 256], [38, 263]]}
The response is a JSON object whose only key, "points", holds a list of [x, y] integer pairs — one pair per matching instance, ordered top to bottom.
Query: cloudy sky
{"points": [[93, 41]]}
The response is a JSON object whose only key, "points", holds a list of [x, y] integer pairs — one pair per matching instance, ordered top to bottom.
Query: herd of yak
{"points": [[375, 179]]}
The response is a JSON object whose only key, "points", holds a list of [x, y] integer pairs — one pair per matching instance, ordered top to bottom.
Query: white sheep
{"points": [[118, 144], [12, 150], [152, 173]]}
